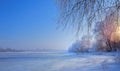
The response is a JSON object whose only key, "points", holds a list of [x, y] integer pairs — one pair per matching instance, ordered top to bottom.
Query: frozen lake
{"points": [[58, 61]]}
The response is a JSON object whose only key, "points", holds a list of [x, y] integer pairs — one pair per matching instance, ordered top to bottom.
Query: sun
{"points": [[118, 30], [115, 36]]}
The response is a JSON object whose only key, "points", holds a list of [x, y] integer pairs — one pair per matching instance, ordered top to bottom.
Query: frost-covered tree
{"points": [[83, 14], [108, 33], [82, 45]]}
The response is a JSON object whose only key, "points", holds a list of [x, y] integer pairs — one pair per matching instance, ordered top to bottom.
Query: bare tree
{"points": [[80, 14], [83, 14], [109, 31]]}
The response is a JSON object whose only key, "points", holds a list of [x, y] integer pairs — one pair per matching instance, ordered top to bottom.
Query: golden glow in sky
{"points": [[115, 36]]}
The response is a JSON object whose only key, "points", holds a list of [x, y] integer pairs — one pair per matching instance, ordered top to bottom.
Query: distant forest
{"points": [[9, 50]]}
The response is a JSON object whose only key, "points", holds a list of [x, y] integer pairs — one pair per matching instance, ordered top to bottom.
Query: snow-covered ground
{"points": [[58, 61]]}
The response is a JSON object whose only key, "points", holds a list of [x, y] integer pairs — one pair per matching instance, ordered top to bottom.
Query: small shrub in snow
{"points": [[78, 46]]}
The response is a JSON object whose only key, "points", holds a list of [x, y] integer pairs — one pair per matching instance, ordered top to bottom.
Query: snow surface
{"points": [[58, 61]]}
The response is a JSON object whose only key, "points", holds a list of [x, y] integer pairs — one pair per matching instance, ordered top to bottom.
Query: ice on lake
{"points": [[58, 61]]}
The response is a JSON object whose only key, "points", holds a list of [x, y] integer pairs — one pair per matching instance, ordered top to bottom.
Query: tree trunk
{"points": [[109, 45]]}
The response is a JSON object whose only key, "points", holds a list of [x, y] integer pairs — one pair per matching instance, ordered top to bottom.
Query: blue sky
{"points": [[30, 24]]}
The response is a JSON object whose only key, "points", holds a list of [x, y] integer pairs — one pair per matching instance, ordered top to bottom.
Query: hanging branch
{"points": [[80, 13]]}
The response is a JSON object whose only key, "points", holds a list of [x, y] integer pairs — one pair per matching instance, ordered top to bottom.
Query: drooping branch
{"points": [[80, 13]]}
